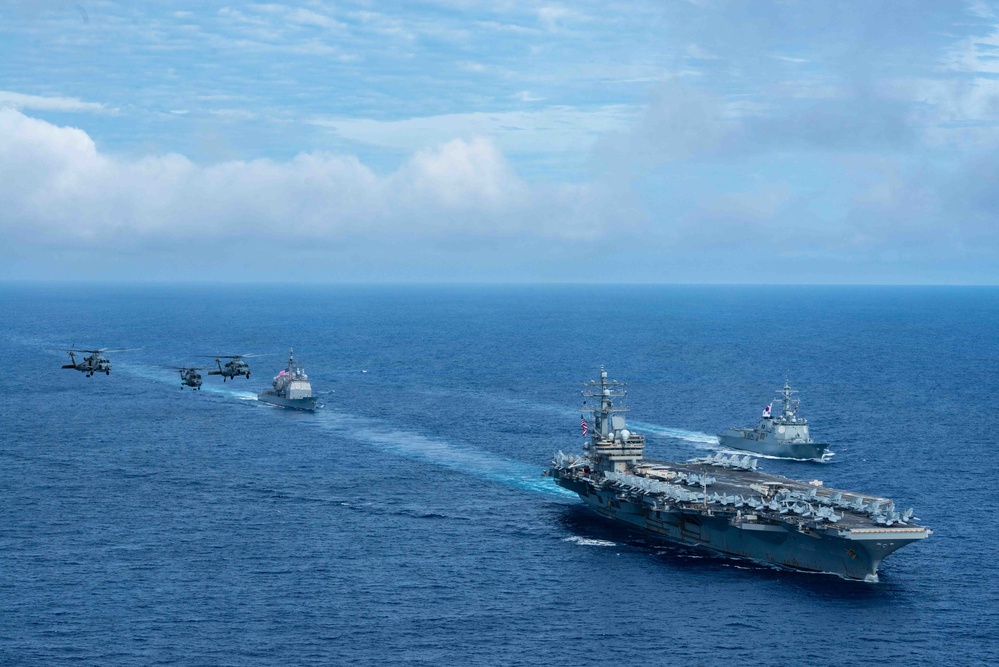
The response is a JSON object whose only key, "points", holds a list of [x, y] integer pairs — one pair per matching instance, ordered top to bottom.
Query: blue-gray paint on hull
{"points": [[307, 404], [772, 447], [777, 545]]}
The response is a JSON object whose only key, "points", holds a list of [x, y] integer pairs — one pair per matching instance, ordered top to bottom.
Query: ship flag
{"points": [[766, 410], [583, 425]]}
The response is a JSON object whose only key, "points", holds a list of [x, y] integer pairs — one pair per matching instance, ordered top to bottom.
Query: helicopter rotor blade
{"points": [[99, 350], [236, 356]]}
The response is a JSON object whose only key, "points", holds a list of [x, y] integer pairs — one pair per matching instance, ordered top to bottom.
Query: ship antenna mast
{"points": [[607, 391], [785, 396]]}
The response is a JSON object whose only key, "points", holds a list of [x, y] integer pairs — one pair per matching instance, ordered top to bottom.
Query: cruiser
{"points": [[292, 388], [785, 436], [724, 504]]}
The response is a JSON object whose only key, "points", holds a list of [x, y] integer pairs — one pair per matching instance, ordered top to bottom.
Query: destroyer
{"points": [[292, 388], [785, 436], [722, 503]]}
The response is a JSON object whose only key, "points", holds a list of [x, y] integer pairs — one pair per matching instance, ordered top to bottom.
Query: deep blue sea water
{"points": [[407, 522]]}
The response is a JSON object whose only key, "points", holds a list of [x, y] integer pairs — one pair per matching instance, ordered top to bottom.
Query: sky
{"points": [[674, 141]]}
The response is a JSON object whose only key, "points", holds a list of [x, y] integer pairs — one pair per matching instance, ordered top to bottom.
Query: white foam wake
{"points": [[172, 377], [640, 426], [678, 433], [387, 438], [413, 445], [826, 457], [587, 542]]}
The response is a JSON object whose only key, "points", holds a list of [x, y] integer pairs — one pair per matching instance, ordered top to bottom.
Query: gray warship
{"points": [[291, 388], [785, 436], [725, 504]]}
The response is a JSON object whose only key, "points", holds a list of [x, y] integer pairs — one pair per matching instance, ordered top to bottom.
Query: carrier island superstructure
{"points": [[724, 504]]}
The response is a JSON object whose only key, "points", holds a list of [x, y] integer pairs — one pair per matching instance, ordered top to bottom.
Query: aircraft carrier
{"points": [[724, 504]]}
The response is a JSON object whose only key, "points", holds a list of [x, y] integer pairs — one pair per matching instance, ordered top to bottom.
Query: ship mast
{"points": [[785, 397], [602, 409]]}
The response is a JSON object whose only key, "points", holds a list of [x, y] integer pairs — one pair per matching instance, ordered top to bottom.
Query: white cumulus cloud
{"points": [[57, 186]]}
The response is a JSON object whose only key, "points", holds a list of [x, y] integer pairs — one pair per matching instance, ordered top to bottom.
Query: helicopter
{"points": [[95, 362], [234, 367], [189, 376]]}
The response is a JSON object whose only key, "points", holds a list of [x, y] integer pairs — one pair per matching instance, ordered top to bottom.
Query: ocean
{"points": [[407, 521]]}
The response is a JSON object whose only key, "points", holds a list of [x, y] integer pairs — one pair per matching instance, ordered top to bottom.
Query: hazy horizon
{"points": [[139, 282]]}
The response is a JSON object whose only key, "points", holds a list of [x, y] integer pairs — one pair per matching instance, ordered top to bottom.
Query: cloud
{"points": [[552, 16], [311, 18], [697, 53], [976, 53], [526, 96], [11, 100], [857, 121], [680, 122], [684, 122], [550, 129], [463, 175], [58, 188], [457, 209], [945, 211]]}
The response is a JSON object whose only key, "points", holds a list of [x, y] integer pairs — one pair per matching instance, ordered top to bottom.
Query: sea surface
{"points": [[407, 522]]}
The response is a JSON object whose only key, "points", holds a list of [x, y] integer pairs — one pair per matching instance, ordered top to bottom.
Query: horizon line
{"points": [[99, 282]]}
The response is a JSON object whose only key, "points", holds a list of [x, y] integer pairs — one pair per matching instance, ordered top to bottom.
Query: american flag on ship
{"points": [[582, 423]]}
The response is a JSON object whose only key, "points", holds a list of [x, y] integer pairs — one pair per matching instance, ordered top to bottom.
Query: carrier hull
{"points": [[851, 554]]}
